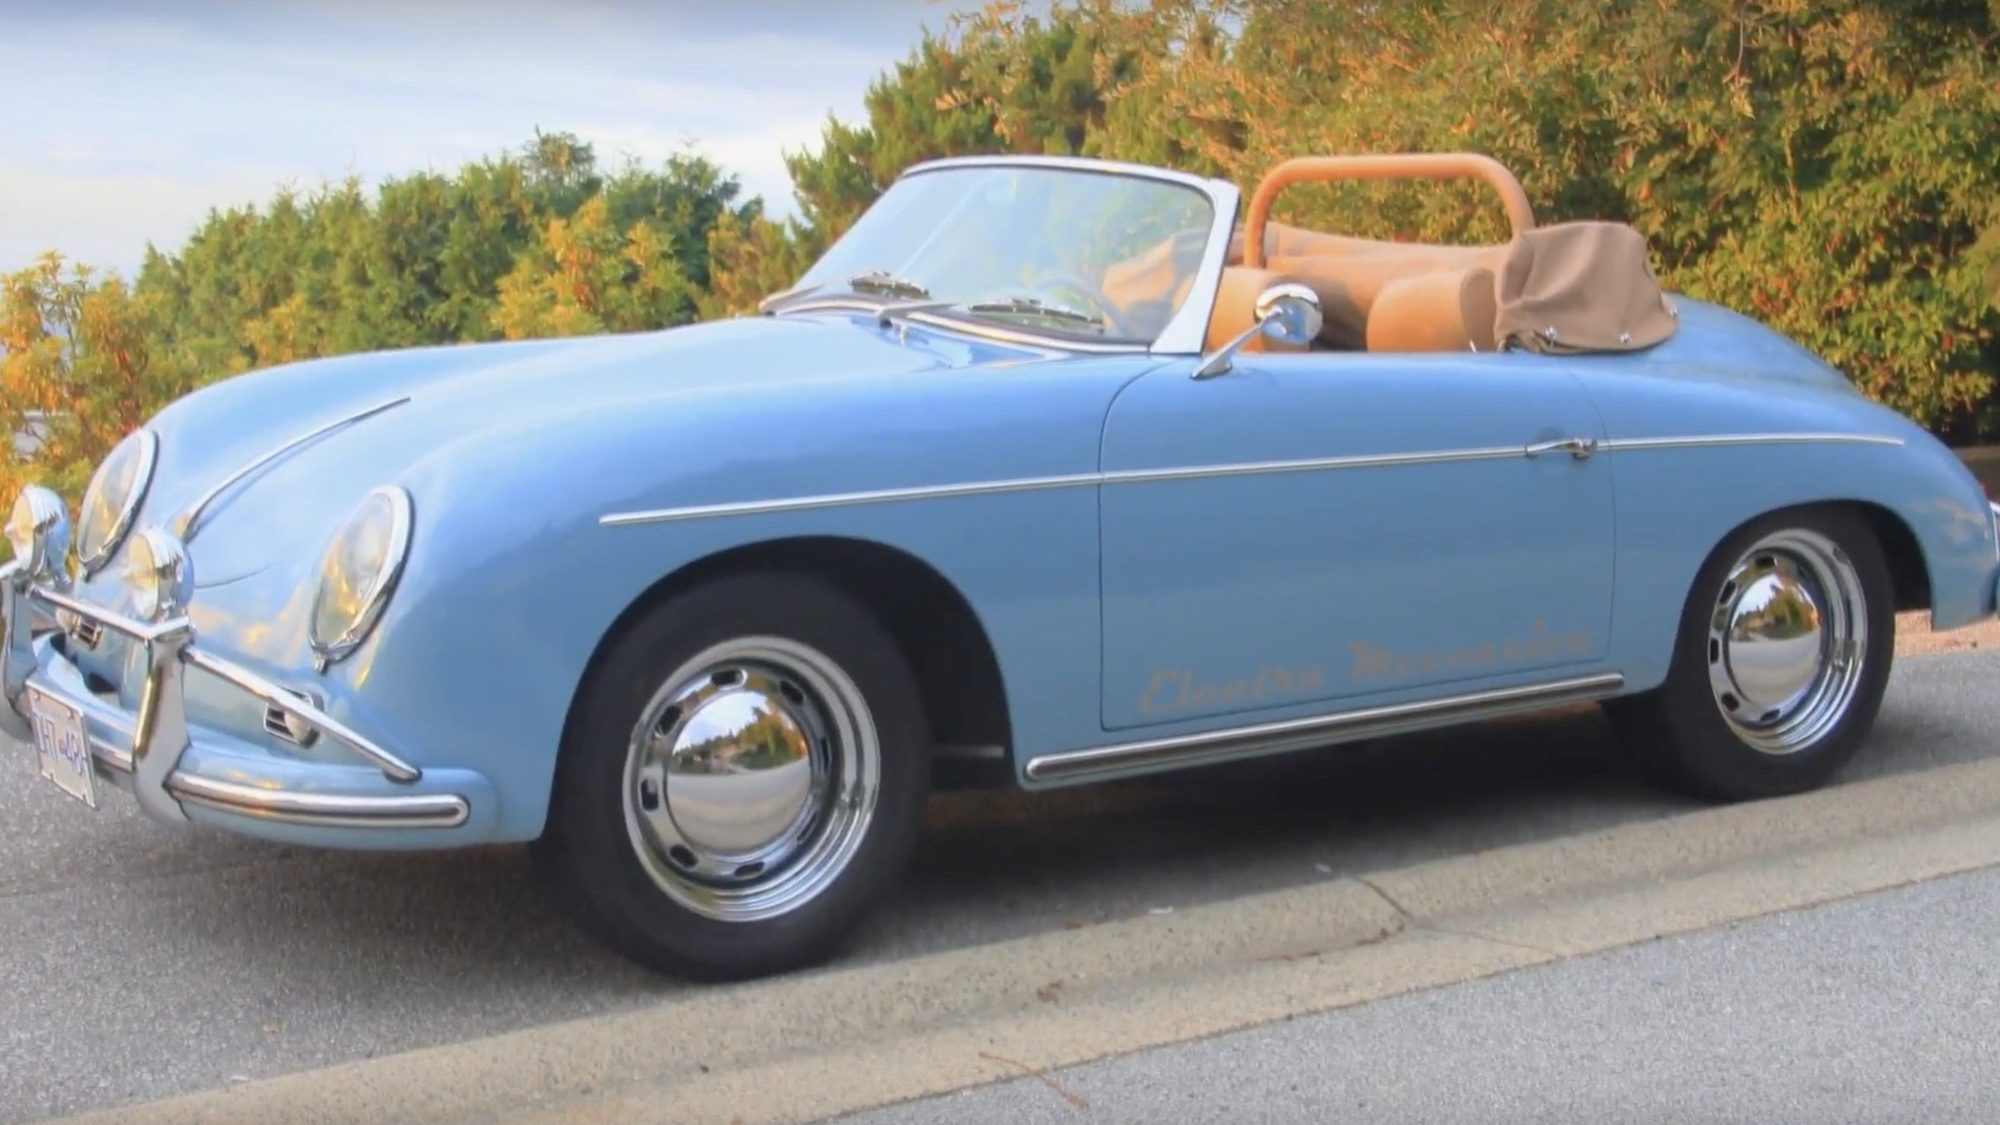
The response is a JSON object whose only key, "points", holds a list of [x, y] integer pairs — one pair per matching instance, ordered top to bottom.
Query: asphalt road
{"points": [[138, 960], [1872, 1009]]}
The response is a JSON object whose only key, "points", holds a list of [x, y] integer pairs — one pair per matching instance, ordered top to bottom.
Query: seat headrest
{"points": [[1444, 311]]}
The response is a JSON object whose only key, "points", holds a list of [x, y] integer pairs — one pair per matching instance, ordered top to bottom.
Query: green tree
{"points": [[585, 275], [75, 353]]}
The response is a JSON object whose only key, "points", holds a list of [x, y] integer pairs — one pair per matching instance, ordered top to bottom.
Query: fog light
{"points": [[38, 532], [161, 576]]}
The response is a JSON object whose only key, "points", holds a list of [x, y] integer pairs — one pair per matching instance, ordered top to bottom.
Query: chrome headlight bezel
{"points": [[389, 512], [95, 546], [160, 575]]}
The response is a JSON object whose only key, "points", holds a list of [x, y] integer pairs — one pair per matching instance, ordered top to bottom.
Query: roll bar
{"points": [[1390, 166]]}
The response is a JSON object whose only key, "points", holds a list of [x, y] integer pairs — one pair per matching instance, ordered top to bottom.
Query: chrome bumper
{"points": [[147, 748]]}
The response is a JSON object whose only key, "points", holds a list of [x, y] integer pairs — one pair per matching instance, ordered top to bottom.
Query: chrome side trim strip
{"points": [[1697, 441], [1316, 464], [1199, 472], [1071, 480], [847, 499], [188, 521], [1320, 730], [321, 810]]}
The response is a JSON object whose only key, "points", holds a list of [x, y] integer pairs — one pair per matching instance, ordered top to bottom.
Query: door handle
{"points": [[1577, 447]]}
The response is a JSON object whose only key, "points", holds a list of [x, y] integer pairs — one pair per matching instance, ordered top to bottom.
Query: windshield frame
{"points": [[1185, 334]]}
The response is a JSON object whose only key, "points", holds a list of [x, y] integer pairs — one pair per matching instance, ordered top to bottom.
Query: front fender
{"points": [[514, 579]]}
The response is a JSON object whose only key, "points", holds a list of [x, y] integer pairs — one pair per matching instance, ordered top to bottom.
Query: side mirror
{"points": [[1287, 312]]}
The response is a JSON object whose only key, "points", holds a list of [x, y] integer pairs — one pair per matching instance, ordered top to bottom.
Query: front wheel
{"points": [[1778, 670], [742, 778]]}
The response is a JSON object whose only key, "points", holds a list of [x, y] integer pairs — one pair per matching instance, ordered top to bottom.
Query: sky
{"points": [[126, 121]]}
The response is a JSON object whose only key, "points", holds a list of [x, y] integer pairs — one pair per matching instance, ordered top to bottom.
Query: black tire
{"points": [[1679, 732], [596, 865]]}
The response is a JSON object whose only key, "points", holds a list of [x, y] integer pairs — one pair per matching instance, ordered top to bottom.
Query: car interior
{"points": [[1568, 288]]}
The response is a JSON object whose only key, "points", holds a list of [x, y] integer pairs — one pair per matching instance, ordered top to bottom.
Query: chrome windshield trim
{"points": [[1072, 164], [1187, 331], [1201, 472], [188, 521], [1210, 747]]}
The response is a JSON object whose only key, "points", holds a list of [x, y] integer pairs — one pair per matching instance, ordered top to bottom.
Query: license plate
{"points": [[62, 744]]}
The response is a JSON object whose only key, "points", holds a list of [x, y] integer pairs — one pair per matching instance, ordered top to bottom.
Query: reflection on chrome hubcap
{"points": [[1786, 641], [751, 778]]}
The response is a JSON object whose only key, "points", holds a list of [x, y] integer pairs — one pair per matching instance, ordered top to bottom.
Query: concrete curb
{"points": [[760, 1051]]}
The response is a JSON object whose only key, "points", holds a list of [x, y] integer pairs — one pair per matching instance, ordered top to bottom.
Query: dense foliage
{"points": [[1827, 166]]}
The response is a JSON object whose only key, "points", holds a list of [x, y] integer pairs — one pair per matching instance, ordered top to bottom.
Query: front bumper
{"points": [[180, 772]]}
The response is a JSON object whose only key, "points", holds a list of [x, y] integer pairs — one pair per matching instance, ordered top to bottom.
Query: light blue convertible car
{"points": [[1050, 471]]}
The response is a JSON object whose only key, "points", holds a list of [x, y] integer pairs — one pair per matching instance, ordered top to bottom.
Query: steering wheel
{"points": [[1072, 292]]}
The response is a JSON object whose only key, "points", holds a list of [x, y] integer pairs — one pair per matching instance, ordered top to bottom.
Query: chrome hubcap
{"points": [[1786, 641], [751, 778]]}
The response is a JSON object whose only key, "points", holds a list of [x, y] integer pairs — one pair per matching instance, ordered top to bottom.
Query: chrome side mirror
{"points": [[1287, 312]]}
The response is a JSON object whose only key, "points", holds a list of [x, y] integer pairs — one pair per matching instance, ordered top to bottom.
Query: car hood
{"points": [[405, 405]]}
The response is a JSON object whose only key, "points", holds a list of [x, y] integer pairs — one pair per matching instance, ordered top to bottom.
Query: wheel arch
{"points": [[1909, 572], [942, 638]]}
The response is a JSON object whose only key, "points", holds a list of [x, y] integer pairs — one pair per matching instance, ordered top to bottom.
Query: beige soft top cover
{"points": [[1581, 287]]}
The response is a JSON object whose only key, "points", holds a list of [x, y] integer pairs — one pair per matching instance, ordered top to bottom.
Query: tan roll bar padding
{"points": [[1390, 166]]}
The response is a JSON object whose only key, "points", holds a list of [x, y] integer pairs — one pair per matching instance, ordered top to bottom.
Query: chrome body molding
{"points": [[1697, 441], [1578, 447], [188, 521], [151, 743], [1210, 747], [325, 811]]}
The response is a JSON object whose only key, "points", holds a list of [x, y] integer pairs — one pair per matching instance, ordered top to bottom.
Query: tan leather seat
{"points": [[1236, 309], [1443, 311]]}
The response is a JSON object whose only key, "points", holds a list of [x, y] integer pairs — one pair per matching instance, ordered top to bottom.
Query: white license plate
{"points": [[62, 743]]}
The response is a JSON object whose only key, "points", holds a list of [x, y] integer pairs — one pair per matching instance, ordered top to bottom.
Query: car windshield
{"points": [[1068, 253]]}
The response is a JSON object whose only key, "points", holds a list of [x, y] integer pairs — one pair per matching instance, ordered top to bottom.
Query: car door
{"points": [[1316, 529]]}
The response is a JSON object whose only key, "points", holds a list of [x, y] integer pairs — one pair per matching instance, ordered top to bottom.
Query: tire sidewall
{"points": [[598, 869]]}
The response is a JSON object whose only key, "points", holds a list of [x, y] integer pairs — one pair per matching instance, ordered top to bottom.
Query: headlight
{"points": [[113, 498], [38, 531], [359, 572], [161, 577]]}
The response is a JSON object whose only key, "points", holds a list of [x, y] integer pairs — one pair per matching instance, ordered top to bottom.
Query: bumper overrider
{"points": [[181, 772]]}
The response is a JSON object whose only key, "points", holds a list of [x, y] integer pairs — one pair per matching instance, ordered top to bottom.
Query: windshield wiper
{"points": [[884, 284], [1033, 307]]}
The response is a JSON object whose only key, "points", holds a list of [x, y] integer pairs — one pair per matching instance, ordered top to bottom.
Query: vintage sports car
{"points": [[1050, 471]]}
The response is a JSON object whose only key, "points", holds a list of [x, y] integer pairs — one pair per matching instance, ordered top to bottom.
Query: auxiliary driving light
{"points": [[38, 531]]}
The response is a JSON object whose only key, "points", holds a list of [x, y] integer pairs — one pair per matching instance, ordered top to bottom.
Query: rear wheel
{"points": [[1784, 650], [742, 779]]}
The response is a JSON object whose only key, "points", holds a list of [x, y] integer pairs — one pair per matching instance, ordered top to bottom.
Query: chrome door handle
{"points": [[1577, 447]]}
